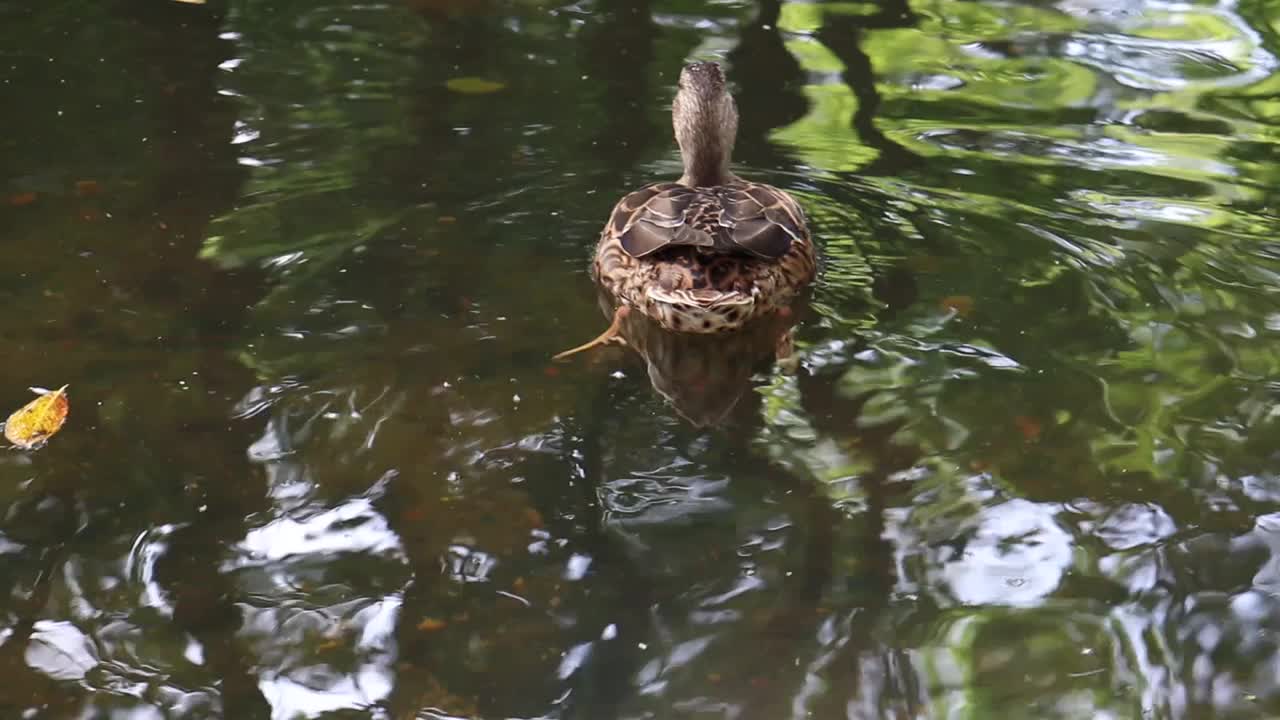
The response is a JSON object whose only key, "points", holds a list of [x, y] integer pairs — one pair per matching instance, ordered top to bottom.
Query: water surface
{"points": [[305, 285]]}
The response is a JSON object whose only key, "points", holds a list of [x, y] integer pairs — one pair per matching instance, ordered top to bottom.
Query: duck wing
{"points": [[750, 218]]}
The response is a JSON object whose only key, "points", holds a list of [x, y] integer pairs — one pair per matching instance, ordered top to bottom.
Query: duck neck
{"points": [[706, 159]]}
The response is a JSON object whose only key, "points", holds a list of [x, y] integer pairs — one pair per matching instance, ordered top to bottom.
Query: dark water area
{"points": [[304, 266]]}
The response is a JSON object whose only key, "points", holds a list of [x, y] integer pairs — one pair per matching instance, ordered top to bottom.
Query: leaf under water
{"points": [[473, 85], [34, 423]]}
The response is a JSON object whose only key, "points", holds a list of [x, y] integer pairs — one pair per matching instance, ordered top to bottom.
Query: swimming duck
{"points": [[709, 252]]}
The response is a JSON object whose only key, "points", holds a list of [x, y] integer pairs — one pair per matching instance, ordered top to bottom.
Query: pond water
{"points": [[304, 265]]}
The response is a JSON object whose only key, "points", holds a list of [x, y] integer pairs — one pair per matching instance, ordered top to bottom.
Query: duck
{"points": [[711, 252]]}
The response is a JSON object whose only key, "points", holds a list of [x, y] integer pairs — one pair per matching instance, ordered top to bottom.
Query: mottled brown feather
{"points": [[742, 217], [727, 257]]}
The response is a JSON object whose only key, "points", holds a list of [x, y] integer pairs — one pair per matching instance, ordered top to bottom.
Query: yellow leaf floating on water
{"points": [[473, 85], [38, 420]]}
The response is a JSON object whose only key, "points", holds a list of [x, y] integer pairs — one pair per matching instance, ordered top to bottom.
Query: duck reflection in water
{"points": [[704, 377]]}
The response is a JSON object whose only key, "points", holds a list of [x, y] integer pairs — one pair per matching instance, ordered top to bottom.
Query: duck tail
{"points": [[701, 311]]}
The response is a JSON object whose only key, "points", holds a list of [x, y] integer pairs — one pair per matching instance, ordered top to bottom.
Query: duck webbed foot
{"points": [[613, 334]]}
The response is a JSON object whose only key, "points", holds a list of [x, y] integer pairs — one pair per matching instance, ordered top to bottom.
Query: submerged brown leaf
{"points": [[961, 305], [37, 421], [1028, 426], [432, 624]]}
